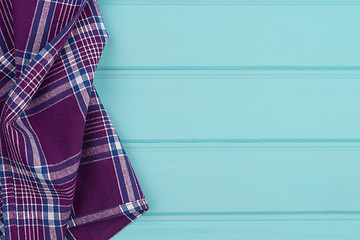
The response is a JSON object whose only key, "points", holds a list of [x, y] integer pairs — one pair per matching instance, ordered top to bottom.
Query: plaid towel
{"points": [[64, 173]]}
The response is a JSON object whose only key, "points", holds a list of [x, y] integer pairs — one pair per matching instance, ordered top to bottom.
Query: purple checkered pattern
{"points": [[64, 173]]}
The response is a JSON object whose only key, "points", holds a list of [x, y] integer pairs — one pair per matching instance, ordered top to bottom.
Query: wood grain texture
{"points": [[204, 36], [232, 104], [240, 118], [248, 179], [312, 230]]}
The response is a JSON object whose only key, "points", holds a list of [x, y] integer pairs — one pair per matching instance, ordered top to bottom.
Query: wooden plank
{"points": [[185, 36], [265, 104], [247, 179], [267, 230]]}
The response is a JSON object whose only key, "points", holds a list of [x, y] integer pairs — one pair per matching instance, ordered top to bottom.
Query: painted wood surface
{"points": [[184, 36], [218, 104], [240, 117]]}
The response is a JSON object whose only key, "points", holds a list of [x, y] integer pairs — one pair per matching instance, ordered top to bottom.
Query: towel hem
{"points": [[138, 207]]}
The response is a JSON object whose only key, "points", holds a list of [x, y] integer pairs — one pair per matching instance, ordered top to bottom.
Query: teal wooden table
{"points": [[241, 118]]}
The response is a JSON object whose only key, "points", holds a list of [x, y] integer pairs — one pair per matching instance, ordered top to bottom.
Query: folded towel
{"points": [[64, 173]]}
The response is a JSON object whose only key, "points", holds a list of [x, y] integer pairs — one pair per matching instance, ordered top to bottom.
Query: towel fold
{"points": [[64, 173]]}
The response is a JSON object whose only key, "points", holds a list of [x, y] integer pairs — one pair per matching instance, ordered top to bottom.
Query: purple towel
{"points": [[64, 173]]}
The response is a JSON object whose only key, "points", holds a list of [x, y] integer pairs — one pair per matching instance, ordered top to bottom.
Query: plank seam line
{"points": [[255, 2], [225, 68], [240, 140], [257, 213]]}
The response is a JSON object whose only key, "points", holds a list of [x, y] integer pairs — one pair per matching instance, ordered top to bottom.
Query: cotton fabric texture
{"points": [[64, 173]]}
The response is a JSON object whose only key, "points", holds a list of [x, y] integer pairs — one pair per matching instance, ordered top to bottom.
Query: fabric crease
{"points": [[64, 173]]}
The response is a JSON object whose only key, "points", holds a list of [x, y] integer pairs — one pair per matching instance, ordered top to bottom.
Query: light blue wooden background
{"points": [[241, 118]]}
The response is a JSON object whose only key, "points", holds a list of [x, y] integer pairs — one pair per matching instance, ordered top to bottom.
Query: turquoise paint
{"points": [[226, 35], [232, 105], [240, 117], [250, 178], [252, 230]]}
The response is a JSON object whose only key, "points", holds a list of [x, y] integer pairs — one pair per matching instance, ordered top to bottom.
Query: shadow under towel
{"points": [[64, 173]]}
